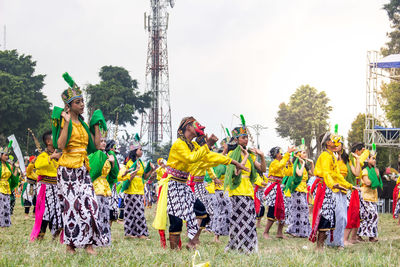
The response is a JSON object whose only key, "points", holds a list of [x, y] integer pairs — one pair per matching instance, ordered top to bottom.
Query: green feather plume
{"points": [[68, 79], [243, 120], [336, 128], [227, 131], [137, 138], [302, 141], [10, 144], [373, 147]]}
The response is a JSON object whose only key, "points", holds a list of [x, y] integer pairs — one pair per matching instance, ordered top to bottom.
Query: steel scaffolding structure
{"points": [[156, 123], [373, 133]]}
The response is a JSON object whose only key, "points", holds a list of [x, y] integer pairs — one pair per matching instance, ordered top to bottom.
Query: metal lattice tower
{"points": [[371, 98], [156, 124]]}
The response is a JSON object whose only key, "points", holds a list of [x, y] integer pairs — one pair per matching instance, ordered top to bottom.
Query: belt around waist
{"points": [[177, 173], [179, 179], [198, 179], [275, 179], [49, 180], [30, 181]]}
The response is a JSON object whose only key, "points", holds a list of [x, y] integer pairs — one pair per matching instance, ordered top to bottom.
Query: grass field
{"points": [[16, 250]]}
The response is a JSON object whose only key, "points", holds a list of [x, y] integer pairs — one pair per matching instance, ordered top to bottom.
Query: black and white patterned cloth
{"points": [[202, 194], [29, 195], [270, 198], [212, 199], [287, 201], [180, 203], [114, 204], [328, 208], [397, 209], [5, 210], [80, 211], [52, 212], [222, 213], [104, 217], [368, 219], [135, 221], [299, 223], [242, 231]]}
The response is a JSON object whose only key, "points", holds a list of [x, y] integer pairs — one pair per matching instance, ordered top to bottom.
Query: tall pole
{"points": [[156, 124], [258, 128]]}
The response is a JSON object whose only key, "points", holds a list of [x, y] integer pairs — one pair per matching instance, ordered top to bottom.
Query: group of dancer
{"points": [[225, 190]]}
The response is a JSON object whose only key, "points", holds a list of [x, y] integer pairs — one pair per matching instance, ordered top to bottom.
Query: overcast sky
{"points": [[225, 56]]}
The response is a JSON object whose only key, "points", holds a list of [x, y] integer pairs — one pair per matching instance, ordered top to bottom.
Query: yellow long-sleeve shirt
{"points": [[182, 158], [362, 158], [210, 160], [45, 166], [278, 168], [327, 168], [30, 172], [4, 184], [101, 185], [136, 187], [302, 187], [245, 188]]}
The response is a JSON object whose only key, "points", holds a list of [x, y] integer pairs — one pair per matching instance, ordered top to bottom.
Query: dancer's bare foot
{"points": [[26, 216], [120, 222], [266, 235], [281, 236], [143, 237], [216, 239], [359, 239], [373, 239], [354, 241], [348, 243], [191, 245], [70, 250], [89, 250]]}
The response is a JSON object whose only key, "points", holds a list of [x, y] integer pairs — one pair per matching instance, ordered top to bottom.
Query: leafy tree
{"points": [[393, 11], [116, 93], [389, 99], [22, 103], [305, 116], [356, 132], [160, 151]]}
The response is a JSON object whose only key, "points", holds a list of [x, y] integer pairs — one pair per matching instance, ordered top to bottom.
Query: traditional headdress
{"points": [[73, 92], [185, 122], [241, 130], [335, 138], [136, 143], [301, 147], [6, 150], [373, 152], [160, 161]]}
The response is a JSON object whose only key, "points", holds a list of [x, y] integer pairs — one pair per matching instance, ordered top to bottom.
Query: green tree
{"points": [[393, 45], [116, 93], [389, 99], [22, 103], [305, 116], [356, 132], [160, 151]]}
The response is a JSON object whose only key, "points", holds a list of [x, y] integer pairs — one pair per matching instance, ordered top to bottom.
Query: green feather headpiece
{"points": [[72, 92], [242, 120], [336, 128], [227, 131], [136, 142], [373, 150]]}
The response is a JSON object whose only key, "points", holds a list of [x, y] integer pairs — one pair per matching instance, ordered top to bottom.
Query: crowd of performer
{"points": [[77, 187]]}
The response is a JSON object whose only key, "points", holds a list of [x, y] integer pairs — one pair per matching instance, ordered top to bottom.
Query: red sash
{"points": [[279, 211], [353, 212]]}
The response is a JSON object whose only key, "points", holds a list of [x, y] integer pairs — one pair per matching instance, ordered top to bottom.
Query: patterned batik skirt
{"points": [[202, 194], [29, 195], [180, 203], [114, 204], [397, 209], [5, 210], [52, 211], [80, 211], [222, 213], [104, 217], [368, 219], [340, 220], [135, 221], [327, 221], [299, 223], [242, 230]]}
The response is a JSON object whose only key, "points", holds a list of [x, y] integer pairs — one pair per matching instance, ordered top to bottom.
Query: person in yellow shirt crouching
{"points": [[133, 187]]}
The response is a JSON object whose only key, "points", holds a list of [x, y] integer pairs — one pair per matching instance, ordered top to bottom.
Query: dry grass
{"points": [[16, 250]]}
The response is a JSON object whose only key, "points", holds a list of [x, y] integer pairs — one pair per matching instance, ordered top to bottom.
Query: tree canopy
{"points": [[116, 93], [22, 103], [304, 116]]}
